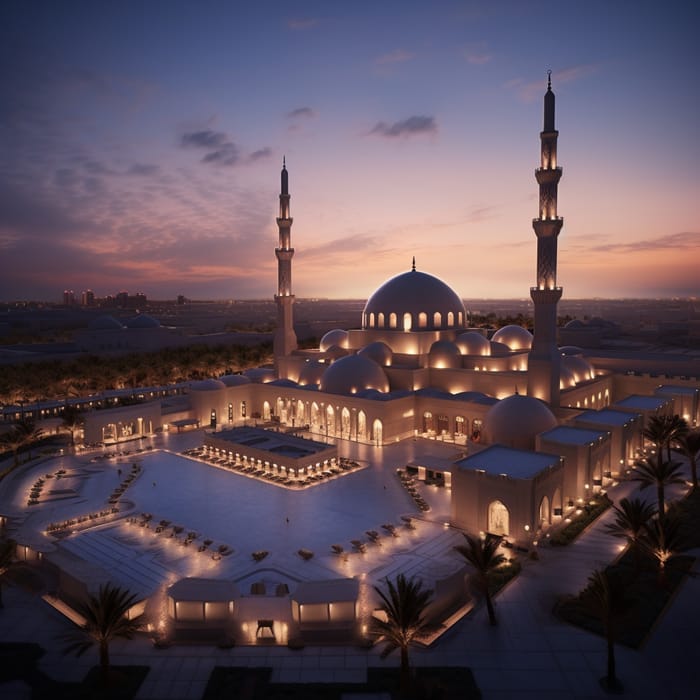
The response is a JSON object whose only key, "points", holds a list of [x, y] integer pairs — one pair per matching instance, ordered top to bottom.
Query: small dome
{"points": [[414, 301], [142, 321], [105, 323], [575, 323], [337, 337], [515, 337], [473, 343], [499, 349], [570, 350], [335, 351], [378, 351], [444, 354], [581, 369], [311, 372], [352, 374], [260, 375], [566, 377], [234, 379], [207, 385], [470, 396], [516, 420]]}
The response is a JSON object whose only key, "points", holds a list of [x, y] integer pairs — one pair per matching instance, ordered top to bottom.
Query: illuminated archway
{"points": [[437, 319], [422, 320], [407, 321], [267, 411], [330, 420], [345, 423], [428, 424], [361, 426], [377, 432], [545, 513], [498, 518]]}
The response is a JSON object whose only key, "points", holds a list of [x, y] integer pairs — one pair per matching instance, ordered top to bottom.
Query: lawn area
{"points": [[646, 595], [449, 683]]}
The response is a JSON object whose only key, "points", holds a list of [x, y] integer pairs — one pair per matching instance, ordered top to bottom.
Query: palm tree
{"points": [[73, 419], [662, 431], [28, 433], [14, 441], [689, 446], [659, 473], [630, 518], [665, 539], [483, 555], [7, 557], [605, 597], [404, 604], [105, 620]]}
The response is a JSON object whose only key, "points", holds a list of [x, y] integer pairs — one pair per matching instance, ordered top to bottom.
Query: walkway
{"points": [[529, 655]]}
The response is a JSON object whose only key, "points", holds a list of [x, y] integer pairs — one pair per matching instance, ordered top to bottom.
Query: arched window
{"points": [[460, 318], [450, 319], [371, 320], [380, 320], [392, 320], [437, 320], [407, 321], [422, 321], [267, 412], [428, 424], [443, 425], [460, 425], [545, 515], [498, 518]]}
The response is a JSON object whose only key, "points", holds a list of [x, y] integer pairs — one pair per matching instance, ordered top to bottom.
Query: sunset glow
{"points": [[142, 144]]}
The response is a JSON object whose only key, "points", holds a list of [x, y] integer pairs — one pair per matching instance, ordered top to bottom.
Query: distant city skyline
{"points": [[142, 145]]}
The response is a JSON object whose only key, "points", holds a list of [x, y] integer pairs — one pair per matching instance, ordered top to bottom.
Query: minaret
{"points": [[285, 339], [545, 359]]}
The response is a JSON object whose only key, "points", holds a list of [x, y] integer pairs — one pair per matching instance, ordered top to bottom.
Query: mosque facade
{"points": [[538, 427]]}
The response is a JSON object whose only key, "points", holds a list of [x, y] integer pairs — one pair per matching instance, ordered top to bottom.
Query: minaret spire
{"points": [[413, 265], [285, 341], [544, 360]]}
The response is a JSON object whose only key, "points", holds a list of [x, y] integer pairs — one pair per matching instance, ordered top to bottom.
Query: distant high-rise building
{"points": [[68, 297], [88, 298], [122, 299]]}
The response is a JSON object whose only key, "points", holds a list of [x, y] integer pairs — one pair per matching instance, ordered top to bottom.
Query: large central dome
{"points": [[414, 301]]}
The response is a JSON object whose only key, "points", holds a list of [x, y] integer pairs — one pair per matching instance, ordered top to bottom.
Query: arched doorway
{"points": [[267, 412], [300, 416], [314, 416], [330, 420], [345, 423], [428, 424], [361, 426], [377, 432], [545, 513], [498, 518]]}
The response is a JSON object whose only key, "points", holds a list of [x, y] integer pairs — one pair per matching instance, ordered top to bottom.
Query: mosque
{"points": [[539, 427], [534, 430]]}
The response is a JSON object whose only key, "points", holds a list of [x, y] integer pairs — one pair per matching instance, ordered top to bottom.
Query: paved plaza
{"points": [[530, 654]]}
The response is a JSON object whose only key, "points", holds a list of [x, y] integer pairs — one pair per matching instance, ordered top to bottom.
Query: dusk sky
{"points": [[142, 143]]}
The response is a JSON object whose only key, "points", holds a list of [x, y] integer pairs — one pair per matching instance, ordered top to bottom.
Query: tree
{"points": [[73, 419], [662, 431], [28, 433], [14, 441], [689, 446], [659, 473], [631, 517], [665, 539], [483, 555], [7, 558], [605, 597], [404, 604], [105, 620]]}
